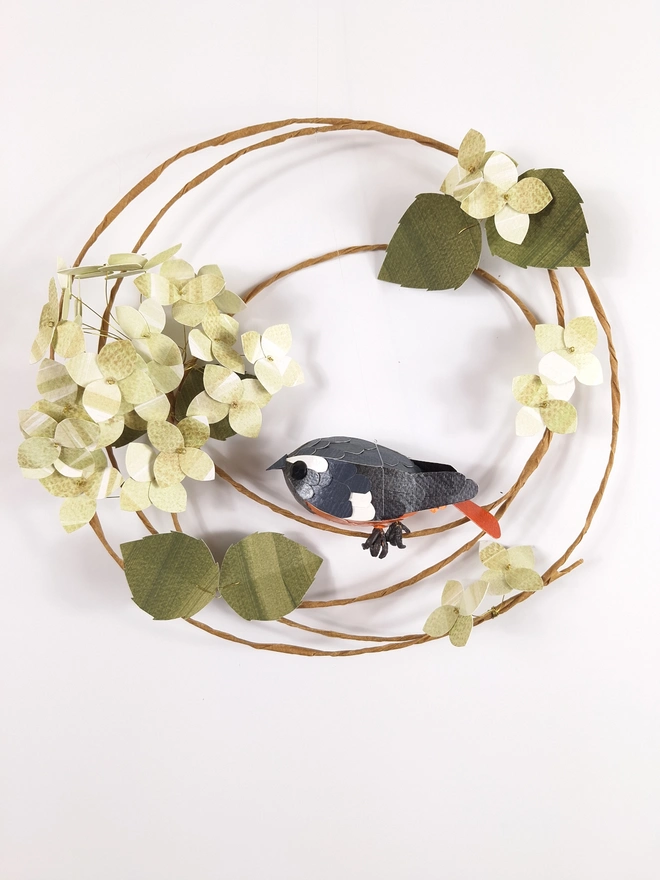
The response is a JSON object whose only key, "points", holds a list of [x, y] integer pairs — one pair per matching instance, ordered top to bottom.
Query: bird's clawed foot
{"points": [[378, 541]]}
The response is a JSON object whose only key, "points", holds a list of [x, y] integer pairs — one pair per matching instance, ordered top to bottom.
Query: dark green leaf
{"points": [[557, 235], [436, 246], [192, 384], [128, 435], [170, 575], [265, 576]]}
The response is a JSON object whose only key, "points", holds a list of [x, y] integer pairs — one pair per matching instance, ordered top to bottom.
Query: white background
{"points": [[137, 749]]}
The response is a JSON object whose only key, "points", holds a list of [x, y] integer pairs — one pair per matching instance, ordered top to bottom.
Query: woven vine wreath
{"points": [[164, 388]]}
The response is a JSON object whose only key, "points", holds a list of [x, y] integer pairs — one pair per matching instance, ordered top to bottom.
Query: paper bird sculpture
{"points": [[354, 481]]}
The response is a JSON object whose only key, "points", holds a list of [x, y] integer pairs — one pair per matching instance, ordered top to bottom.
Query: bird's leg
{"points": [[394, 535], [376, 543]]}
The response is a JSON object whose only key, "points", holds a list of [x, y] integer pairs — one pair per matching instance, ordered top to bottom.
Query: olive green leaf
{"points": [[557, 235], [436, 246], [191, 386], [170, 575], [265, 576]]}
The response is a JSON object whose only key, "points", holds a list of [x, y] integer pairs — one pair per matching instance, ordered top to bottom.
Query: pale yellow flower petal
{"points": [[471, 151], [501, 171], [454, 176], [467, 185], [529, 196], [485, 201], [511, 225], [162, 256], [179, 272], [157, 287], [202, 289], [229, 302], [191, 314], [132, 322], [47, 323], [221, 328], [581, 335], [549, 337], [69, 339], [276, 341], [251, 344], [200, 345], [164, 350], [227, 357], [117, 360], [83, 369], [555, 369], [588, 369], [293, 375], [269, 376], [165, 379], [54, 382], [222, 384], [138, 387], [253, 390], [529, 390], [561, 392], [102, 399], [206, 406], [153, 410], [559, 416], [245, 418], [528, 422], [34, 423], [111, 430], [195, 431], [77, 434], [165, 436], [37, 452], [140, 459], [75, 463], [197, 465], [167, 471], [37, 473], [103, 483], [63, 487], [134, 496], [171, 499], [76, 512], [494, 556], [521, 557], [524, 579], [497, 585], [452, 592], [472, 597], [440, 621], [460, 631]]}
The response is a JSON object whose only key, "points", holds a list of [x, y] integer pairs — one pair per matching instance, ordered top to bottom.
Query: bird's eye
{"points": [[299, 470]]}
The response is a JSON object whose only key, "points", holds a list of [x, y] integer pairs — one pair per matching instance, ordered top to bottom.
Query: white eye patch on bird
{"points": [[355, 481]]}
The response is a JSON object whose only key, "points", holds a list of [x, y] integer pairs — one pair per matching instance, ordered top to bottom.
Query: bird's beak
{"points": [[279, 465]]}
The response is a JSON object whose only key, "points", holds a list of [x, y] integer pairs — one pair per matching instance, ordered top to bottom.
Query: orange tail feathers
{"points": [[481, 517]]}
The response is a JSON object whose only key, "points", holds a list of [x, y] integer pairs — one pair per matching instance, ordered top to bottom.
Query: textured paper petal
{"points": [[471, 151], [501, 171], [453, 177], [467, 185], [529, 196], [485, 201], [511, 225], [161, 257], [131, 259], [211, 269], [178, 271], [157, 287], [202, 289], [228, 302], [191, 314], [154, 315], [131, 321], [47, 323], [221, 328], [581, 335], [549, 337], [69, 339], [276, 340], [41, 342], [251, 344], [200, 345], [164, 350], [227, 357], [117, 360], [83, 369], [555, 369], [589, 370], [293, 375], [269, 376], [165, 379], [54, 382], [222, 384], [138, 387], [253, 390], [529, 390], [561, 392], [102, 399], [204, 405], [153, 410], [559, 416], [245, 418], [528, 422], [137, 423], [38, 424], [111, 430], [195, 431], [77, 434], [165, 437], [37, 452], [140, 458], [75, 463], [197, 465], [167, 471], [37, 473], [103, 483], [63, 487], [134, 496], [171, 499], [76, 512], [494, 556], [521, 557], [170, 575], [265, 576], [524, 579], [497, 585], [452, 592], [472, 597], [440, 621], [460, 631]]}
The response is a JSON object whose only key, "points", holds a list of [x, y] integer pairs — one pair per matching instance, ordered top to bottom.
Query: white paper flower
{"points": [[487, 185], [215, 340], [568, 353], [269, 354], [162, 355], [226, 394]]}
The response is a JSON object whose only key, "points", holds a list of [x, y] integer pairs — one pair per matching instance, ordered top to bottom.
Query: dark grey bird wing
{"points": [[356, 451], [330, 491], [396, 492]]}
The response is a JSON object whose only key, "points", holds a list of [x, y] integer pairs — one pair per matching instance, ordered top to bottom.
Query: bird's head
{"points": [[303, 474]]}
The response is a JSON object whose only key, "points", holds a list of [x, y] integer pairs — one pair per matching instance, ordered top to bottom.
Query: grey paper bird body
{"points": [[355, 481]]}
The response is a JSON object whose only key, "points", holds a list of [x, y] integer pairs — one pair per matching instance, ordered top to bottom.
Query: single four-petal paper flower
{"points": [[568, 352], [269, 354], [226, 394], [540, 409], [509, 569], [454, 616]]}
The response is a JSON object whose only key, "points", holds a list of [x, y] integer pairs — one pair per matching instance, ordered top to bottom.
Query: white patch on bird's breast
{"points": [[315, 462], [363, 509]]}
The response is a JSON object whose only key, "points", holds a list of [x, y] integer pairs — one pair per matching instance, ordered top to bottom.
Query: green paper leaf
{"points": [[557, 235], [436, 246], [191, 386], [170, 575], [265, 576]]}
